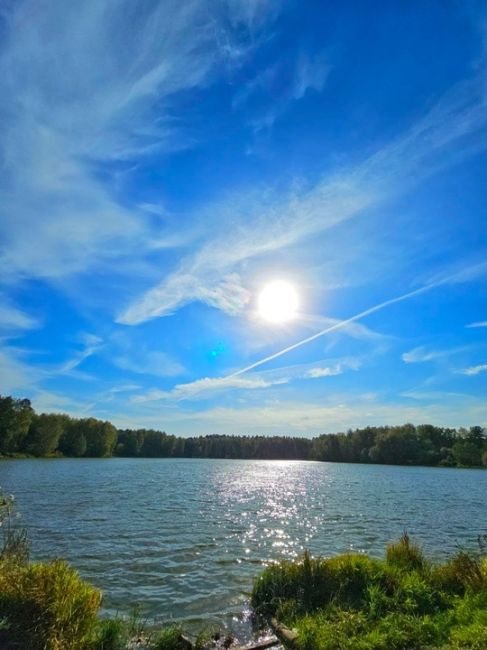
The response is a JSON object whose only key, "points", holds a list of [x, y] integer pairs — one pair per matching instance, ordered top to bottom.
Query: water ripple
{"points": [[185, 538]]}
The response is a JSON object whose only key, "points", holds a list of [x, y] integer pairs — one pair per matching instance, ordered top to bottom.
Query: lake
{"points": [[185, 538]]}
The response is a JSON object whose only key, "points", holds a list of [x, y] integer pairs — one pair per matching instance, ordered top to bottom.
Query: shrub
{"points": [[405, 555], [463, 572], [311, 583], [47, 606], [111, 634], [169, 639]]}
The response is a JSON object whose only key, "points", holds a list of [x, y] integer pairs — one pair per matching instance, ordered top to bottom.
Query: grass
{"points": [[404, 602], [47, 606]]}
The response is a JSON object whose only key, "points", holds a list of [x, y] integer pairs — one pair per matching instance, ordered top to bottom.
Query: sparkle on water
{"points": [[278, 302], [185, 538]]}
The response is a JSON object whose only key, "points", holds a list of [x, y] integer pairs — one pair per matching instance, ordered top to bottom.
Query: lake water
{"points": [[185, 538]]}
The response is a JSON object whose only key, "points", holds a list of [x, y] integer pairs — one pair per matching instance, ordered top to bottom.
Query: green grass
{"points": [[404, 602], [47, 606]]}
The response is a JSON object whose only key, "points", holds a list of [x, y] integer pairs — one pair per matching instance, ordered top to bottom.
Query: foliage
{"points": [[15, 418], [22, 431], [45, 433], [404, 445], [406, 555], [404, 602], [47, 606], [111, 634], [169, 639]]}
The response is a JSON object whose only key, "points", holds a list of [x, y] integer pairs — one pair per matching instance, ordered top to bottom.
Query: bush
{"points": [[405, 555], [463, 572], [312, 583], [47, 606], [111, 634], [169, 639]]}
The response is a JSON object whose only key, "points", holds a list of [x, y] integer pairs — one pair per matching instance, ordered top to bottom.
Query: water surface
{"points": [[185, 538]]}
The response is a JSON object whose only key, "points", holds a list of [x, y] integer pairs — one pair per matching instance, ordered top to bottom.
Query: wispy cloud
{"points": [[85, 85], [271, 92], [441, 138], [13, 319], [478, 324], [91, 345], [422, 354], [139, 357], [150, 363], [474, 370], [327, 371], [15, 373], [18, 373], [207, 386], [333, 413]]}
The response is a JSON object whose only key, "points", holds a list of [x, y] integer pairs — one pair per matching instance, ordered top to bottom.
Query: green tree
{"points": [[15, 419], [45, 433], [101, 437], [73, 441], [469, 447]]}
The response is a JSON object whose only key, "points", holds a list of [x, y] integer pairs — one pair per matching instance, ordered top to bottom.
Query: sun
{"points": [[278, 302]]}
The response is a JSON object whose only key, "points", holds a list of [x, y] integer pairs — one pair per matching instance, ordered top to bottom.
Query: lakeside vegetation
{"points": [[24, 432], [354, 602]]}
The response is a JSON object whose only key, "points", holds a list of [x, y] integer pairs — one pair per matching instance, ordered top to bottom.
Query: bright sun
{"points": [[278, 302]]}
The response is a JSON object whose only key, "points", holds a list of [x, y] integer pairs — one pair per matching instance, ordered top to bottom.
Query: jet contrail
{"points": [[464, 275], [337, 326]]}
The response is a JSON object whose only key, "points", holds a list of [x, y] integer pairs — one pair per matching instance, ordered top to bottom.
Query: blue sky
{"points": [[163, 161]]}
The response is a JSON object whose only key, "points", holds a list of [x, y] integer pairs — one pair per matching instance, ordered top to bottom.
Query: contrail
{"points": [[464, 275], [337, 326]]}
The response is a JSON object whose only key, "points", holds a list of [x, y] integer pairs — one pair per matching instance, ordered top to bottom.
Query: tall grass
{"points": [[404, 602], [47, 606]]}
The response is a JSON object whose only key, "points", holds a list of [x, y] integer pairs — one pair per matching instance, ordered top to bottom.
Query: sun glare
{"points": [[278, 302]]}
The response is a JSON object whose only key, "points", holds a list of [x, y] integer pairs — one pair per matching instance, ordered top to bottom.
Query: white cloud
{"points": [[12, 318], [478, 324], [91, 345], [129, 354], [421, 354], [150, 363], [474, 370], [15, 373], [205, 385], [201, 388], [45, 401], [337, 413]]}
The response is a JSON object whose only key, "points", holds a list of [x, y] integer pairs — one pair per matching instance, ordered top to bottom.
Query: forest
{"points": [[23, 432]]}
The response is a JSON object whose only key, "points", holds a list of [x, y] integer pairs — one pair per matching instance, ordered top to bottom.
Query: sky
{"points": [[163, 162]]}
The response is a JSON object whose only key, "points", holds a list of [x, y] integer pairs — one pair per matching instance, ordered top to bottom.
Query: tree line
{"points": [[24, 432]]}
